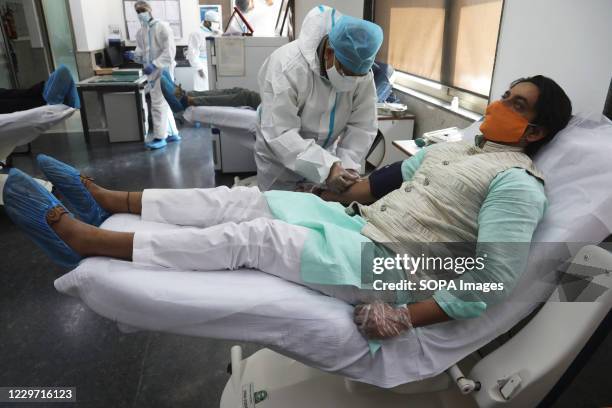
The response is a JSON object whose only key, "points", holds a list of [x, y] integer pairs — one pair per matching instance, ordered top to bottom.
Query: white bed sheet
{"points": [[223, 116], [19, 128], [318, 330]]}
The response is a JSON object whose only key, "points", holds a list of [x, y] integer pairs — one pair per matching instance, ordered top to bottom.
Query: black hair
{"points": [[243, 5], [553, 107]]}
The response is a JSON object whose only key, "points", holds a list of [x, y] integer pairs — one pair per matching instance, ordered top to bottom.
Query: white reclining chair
{"points": [[21, 128], [233, 144], [317, 357]]}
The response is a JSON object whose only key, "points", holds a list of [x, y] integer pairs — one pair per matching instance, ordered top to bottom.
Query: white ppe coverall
{"points": [[155, 45], [196, 55], [304, 124], [227, 229]]}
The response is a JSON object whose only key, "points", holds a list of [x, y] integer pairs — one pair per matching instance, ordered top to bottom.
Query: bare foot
{"points": [[179, 92], [101, 195], [113, 201], [72, 231], [87, 240]]}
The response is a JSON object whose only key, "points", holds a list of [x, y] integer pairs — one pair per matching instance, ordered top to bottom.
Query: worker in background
{"points": [[155, 49], [196, 50], [317, 118]]}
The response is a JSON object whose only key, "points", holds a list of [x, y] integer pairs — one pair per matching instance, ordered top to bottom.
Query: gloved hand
{"points": [[129, 55], [149, 68], [202, 73], [354, 173], [340, 179], [380, 320]]}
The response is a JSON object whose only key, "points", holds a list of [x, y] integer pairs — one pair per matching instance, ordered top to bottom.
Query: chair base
{"points": [[271, 380]]}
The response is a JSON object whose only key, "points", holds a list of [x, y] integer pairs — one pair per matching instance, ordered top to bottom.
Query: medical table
{"points": [[118, 107], [317, 357]]}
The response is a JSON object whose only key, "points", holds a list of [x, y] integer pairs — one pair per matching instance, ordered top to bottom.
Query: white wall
{"points": [[302, 7], [29, 9], [91, 18], [566, 40]]}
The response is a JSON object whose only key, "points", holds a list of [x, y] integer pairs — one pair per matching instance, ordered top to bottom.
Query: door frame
{"points": [[45, 34], [4, 43]]}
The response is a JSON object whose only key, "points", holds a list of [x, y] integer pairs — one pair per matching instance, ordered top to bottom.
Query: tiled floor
{"points": [[49, 339]]}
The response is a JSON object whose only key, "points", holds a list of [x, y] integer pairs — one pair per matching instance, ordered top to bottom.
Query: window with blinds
{"points": [[451, 42]]}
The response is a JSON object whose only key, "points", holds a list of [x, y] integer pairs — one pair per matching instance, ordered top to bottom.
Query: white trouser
{"points": [[163, 119], [225, 229]]}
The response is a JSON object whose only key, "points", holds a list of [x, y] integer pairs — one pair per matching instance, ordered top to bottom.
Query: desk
{"points": [[122, 106], [407, 146], [410, 148]]}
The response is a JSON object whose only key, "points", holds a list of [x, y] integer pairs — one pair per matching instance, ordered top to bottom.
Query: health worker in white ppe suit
{"points": [[155, 49], [196, 50], [317, 118]]}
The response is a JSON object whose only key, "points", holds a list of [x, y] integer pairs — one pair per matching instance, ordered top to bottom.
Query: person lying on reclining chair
{"points": [[59, 88], [179, 99], [452, 192]]}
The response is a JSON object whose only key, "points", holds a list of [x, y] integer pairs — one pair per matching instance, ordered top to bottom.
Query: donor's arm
{"points": [[380, 182]]}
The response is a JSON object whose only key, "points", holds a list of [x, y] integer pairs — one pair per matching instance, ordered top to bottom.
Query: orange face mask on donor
{"points": [[502, 124]]}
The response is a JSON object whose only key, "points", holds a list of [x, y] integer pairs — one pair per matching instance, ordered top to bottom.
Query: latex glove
{"points": [[129, 55], [149, 68], [202, 73], [353, 172], [339, 179], [380, 320]]}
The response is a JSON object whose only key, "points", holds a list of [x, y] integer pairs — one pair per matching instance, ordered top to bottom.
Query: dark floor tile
{"points": [[197, 373], [592, 386]]}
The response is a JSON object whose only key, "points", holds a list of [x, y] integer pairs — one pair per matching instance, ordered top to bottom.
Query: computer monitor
{"points": [[113, 54], [608, 107]]}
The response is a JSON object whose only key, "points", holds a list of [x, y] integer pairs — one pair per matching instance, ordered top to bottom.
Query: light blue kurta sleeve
{"points": [[411, 165], [510, 213]]}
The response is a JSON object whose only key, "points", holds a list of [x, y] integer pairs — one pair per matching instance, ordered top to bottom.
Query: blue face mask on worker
{"points": [[144, 17], [340, 82]]}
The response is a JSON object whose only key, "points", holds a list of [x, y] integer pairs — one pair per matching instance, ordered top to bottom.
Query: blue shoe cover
{"points": [[168, 88], [173, 138], [157, 144], [66, 179], [27, 203]]}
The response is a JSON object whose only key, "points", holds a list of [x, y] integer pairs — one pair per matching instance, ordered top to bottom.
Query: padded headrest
{"points": [[577, 168]]}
